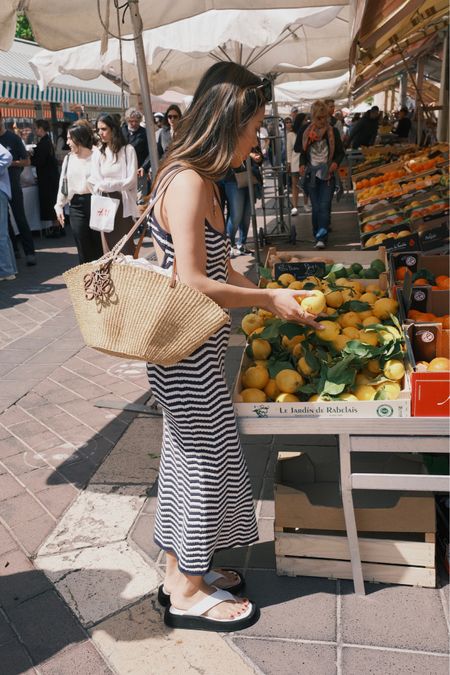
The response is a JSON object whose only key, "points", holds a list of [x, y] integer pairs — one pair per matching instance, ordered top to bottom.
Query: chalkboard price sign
{"points": [[300, 270]]}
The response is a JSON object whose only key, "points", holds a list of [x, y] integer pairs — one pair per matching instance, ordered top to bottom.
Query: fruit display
{"points": [[378, 239], [357, 356]]}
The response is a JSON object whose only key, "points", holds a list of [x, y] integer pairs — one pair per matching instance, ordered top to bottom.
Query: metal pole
{"points": [[143, 81], [403, 85], [419, 109], [442, 126], [251, 189]]}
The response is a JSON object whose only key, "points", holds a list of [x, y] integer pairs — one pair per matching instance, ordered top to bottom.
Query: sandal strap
{"points": [[212, 576], [209, 602]]}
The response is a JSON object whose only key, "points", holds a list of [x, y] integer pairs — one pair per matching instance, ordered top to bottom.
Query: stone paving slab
{"points": [[137, 642]]}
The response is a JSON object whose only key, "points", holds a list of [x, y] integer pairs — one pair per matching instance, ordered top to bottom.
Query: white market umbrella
{"points": [[58, 24], [294, 44], [296, 92]]}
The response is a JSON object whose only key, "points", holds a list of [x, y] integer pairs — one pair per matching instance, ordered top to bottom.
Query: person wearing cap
{"points": [[294, 113], [135, 134]]}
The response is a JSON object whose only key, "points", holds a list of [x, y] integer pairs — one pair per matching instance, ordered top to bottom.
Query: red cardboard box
{"points": [[430, 391], [430, 395]]}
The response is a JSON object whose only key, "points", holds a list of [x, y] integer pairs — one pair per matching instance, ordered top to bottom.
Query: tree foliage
{"points": [[23, 28]]}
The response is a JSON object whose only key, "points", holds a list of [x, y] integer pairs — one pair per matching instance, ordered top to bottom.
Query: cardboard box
{"points": [[416, 260], [430, 391], [332, 409], [396, 531]]}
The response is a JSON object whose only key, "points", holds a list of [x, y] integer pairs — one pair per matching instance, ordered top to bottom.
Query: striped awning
{"points": [[18, 81], [31, 92]]}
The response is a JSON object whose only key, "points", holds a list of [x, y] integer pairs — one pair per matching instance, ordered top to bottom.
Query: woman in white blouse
{"points": [[114, 174], [74, 189]]}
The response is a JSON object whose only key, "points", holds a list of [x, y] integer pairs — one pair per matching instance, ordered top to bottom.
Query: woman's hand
{"points": [[60, 217], [283, 303]]}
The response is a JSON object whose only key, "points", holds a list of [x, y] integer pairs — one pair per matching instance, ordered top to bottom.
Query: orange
{"points": [[400, 273], [421, 282], [443, 282], [446, 321]]}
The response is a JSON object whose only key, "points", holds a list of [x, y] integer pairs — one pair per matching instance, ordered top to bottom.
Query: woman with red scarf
{"points": [[321, 152]]}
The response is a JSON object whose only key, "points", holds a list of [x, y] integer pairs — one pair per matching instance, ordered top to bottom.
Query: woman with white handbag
{"points": [[114, 184], [75, 190]]}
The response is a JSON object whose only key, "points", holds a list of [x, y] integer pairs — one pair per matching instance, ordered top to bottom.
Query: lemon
{"points": [[286, 279], [312, 280], [273, 284], [296, 285], [374, 288], [349, 294], [369, 297], [334, 299], [313, 303], [383, 307], [265, 314], [364, 314], [349, 319], [370, 321], [250, 322], [330, 331], [351, 332], [368, 338], [340, 341], [289, 344], [261, 348], [298, 350], [260, 362], [440, 363], [373, 366], [303, 367], [394, 369], [255, 377], [362, 378], [288, 381], [271, 390], [391, 390], [364, 392], [252, 395], [346, 396], [314, 397], [287, 398]]}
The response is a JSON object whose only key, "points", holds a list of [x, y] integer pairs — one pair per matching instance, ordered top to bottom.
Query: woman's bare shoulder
{"points": [[183, 178]]}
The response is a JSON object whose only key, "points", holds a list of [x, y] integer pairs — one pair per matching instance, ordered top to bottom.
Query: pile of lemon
{"points": [[339, 327]]}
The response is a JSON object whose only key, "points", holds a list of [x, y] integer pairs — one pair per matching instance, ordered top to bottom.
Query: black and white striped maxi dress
{"points": [[204, 493]]}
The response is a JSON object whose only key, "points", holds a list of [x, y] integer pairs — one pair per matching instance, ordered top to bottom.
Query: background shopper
{"points": [[114, 174], [75, 190]]}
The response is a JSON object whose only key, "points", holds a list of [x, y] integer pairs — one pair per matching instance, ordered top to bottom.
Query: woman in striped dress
{"points": [[204, 493]]}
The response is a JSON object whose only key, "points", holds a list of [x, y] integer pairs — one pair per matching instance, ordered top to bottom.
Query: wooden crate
{"points": [[396, 539], [391, 561]]}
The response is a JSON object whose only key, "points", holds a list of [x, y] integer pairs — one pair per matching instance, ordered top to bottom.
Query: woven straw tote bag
{"points": [[137, 313]]}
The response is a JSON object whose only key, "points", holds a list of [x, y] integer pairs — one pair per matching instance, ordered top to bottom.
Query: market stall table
{"points": [[409, 434]]}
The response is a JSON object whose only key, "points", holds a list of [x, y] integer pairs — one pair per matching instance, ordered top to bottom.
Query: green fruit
{"points": [[378, 265], [328, 267], [356, 268], [371, 274], [353, 276]]}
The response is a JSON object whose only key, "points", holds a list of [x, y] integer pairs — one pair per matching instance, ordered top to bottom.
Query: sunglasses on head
{"points": [[265, 88]]}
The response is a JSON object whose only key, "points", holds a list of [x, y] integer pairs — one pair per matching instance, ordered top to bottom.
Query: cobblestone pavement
{"points": [[78, 567]]}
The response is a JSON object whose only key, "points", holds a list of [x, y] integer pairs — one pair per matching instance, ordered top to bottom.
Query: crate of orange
{"points": [[430, 378]]}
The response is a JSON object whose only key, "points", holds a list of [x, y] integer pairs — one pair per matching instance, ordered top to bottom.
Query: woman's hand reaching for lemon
{"points": [[285, 303]]}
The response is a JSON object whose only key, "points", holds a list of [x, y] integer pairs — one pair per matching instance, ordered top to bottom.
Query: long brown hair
{"points": [[226, 98]]}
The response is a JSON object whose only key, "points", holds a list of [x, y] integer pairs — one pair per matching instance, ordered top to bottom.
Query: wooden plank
{"points": [[369, 426], [399, 444], [399, 481], [412, 513], [430, 537], [392, 551], [341, 569]]}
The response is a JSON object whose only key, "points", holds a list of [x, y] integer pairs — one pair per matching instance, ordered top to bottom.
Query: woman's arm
{"points": [[61, 199], [183, 212]]}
